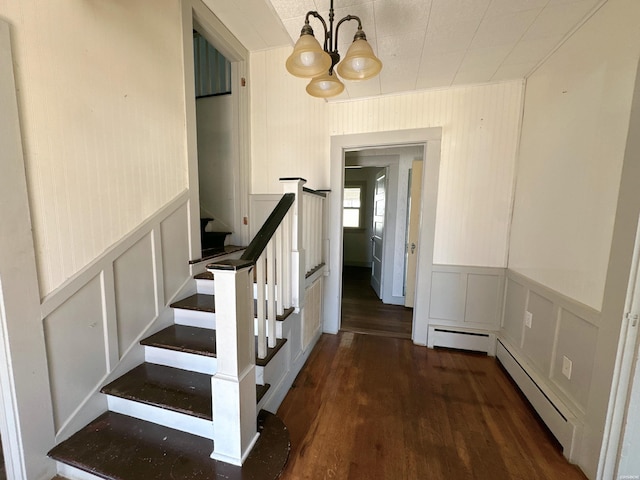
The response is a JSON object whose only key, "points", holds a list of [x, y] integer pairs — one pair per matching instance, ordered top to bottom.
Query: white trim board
{"points": [[558, 418], [26, 419]]}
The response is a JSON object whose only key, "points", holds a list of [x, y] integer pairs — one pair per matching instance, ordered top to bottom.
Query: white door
{"points": [[378, 231], [412, 235]]}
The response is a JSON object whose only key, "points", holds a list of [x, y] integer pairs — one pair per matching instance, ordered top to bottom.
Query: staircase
{"points": [[193, 408], [160, 412]]}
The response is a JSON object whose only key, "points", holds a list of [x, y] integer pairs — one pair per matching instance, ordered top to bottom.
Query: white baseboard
{"points": [[462, 338], [554, 413]]}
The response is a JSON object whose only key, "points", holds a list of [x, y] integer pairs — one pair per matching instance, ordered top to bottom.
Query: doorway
{"points": [[197, 17], [429, 139], [376, 213]]}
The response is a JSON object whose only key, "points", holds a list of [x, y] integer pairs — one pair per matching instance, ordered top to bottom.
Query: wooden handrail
{"points": [[260, 241]]}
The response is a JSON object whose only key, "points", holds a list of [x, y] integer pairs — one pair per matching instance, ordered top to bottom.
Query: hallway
{"points": [[364, 312], [369, 407]]}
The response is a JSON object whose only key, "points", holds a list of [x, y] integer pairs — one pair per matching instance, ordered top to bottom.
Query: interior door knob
{"points": [[413, 247]]}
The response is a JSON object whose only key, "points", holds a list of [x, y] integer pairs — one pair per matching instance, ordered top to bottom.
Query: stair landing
{"points": [[118, 447]]}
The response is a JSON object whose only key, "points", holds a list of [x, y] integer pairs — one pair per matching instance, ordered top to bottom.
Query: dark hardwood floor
{"points": [[364, 312], [369, 407]]}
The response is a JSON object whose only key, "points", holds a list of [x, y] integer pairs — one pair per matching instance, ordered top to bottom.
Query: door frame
{"points": [[196, 14], [429, 138]]}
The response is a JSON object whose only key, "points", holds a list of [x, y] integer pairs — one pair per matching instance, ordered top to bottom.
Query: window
{"points": [[212, 69], [353, 206]]}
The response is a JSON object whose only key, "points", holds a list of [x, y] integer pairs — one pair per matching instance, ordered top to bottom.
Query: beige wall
{"points": [[101, 97], [576, 115], [289, 129], [291, 135]]}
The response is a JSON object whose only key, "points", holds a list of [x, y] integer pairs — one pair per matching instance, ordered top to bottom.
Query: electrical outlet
{"points": [[528, 317], [567, 365]]}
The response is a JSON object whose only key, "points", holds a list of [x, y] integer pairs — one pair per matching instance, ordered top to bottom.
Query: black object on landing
{"points": [[118, 447]]}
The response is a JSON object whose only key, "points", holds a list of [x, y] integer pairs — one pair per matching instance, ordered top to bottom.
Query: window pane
{"points": [[352, 197], [351, 217]]}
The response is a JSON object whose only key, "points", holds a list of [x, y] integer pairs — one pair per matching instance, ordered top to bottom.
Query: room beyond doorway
{"points": [[364, 312]]}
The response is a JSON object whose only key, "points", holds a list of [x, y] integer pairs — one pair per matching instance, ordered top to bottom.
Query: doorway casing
{"points": [[429, 138]]}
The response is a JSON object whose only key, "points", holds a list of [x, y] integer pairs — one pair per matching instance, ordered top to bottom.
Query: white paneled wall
{"points": [[101, 96], [480, 126], [96, 317], [560, 327]]}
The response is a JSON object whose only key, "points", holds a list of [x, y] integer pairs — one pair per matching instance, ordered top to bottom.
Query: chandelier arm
{"points": [[346, 19], [324, 25]]}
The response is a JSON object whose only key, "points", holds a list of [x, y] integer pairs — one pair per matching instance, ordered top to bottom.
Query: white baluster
{"points": [[278, 259], [271, 294], [260, 309]]}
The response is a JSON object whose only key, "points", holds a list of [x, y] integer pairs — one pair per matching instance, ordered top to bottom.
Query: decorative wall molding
{"points": [[102, 312], [560, 327]]}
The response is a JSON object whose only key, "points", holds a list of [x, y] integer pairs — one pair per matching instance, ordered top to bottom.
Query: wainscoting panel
{"points": [[175, 247], [135, 291], [446, 294], [484, 295], [466, 296], [515, 305], [465, 307], [312, 313], [100, 314], [560, 327], [74, 331], [538, 339], [577, 341]]}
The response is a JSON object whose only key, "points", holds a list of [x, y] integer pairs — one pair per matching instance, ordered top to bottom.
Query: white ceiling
{"points": [[424, 43]]}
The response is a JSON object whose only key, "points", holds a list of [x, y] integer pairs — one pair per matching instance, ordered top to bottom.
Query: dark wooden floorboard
{"points": [[364, 312], [370, 407]]}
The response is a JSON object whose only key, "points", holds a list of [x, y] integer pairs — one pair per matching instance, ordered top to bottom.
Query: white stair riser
{"points": [[205, 287], [194, 318], [182, 360], [189, 361], [160, 416], [73, 473]]}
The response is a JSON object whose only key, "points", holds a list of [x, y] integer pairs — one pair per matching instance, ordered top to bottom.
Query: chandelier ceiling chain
{"points": [[310, 60]]}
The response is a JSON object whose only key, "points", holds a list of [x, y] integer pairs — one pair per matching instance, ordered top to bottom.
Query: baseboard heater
{"points": [[462, 339], [553, 412]]}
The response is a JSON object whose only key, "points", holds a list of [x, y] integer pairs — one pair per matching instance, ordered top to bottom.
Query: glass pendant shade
{"points": [[308, 59], [360, 63], [325, 86]]}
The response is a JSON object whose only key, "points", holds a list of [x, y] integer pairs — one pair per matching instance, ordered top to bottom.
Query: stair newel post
{"points": [[298, 266], [234, 384]]}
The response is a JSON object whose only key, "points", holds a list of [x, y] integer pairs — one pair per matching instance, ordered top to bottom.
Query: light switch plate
{"points": [[528, 317]]}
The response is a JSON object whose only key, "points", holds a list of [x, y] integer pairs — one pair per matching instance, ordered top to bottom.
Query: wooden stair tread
{"points": [[204, 276], [199, 302], [206, 303], [200, 341], [271, 352], [165, 387], [119, 447]]}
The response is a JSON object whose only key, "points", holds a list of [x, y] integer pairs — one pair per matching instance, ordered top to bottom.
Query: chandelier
{"points": [[310, 60]]}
